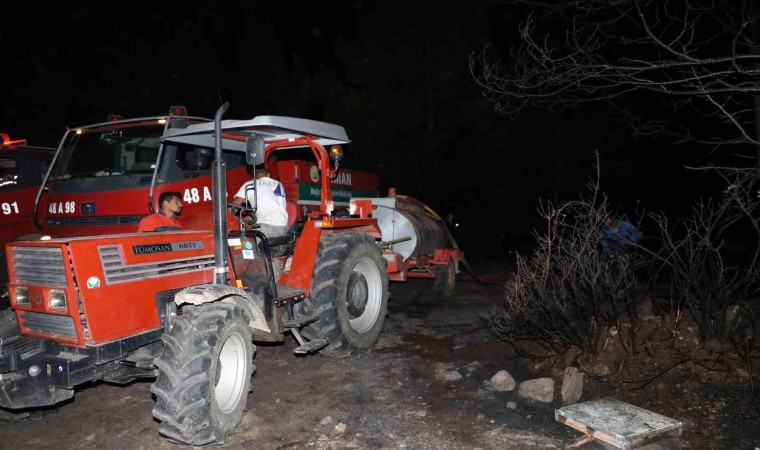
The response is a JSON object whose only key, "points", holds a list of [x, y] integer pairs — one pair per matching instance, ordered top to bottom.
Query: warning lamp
{"points": [[177, 111], [114, 118], [7, 140], [336, 153]]}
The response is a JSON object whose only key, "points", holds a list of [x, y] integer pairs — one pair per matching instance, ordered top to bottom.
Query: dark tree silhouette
{"points": [[700, 57]]}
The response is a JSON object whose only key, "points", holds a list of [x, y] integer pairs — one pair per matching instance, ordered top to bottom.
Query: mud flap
{"points": [[199, 295]]}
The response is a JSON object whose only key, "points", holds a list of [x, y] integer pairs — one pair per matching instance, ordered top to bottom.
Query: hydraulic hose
{"points": [[452, 241]]}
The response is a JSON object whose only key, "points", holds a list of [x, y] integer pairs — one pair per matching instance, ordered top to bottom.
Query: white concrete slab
{"points": [[620, 424]]}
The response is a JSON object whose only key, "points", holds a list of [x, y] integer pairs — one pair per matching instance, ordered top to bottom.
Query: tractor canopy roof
{"points": [[270, 128]]}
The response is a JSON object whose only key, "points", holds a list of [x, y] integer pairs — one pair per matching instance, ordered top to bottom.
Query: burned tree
{"points": [[699, 57], [710, 259], [569, 291]]}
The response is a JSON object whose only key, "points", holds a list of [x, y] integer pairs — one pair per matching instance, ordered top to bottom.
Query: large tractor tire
{"points": [[445, 278], [349, 294], [204, 374]]}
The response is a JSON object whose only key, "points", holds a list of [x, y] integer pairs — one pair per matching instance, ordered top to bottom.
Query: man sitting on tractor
{"points": [[271, 207], [166, 218]]}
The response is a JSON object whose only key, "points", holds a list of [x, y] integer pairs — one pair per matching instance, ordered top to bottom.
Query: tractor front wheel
{"points": [[349, 294], [204, 374]]}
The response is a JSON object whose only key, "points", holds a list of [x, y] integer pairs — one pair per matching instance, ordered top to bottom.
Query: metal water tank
{"points": [[401, 217]]}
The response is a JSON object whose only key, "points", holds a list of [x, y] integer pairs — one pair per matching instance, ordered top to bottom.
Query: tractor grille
{"points": [[38, 265], [116, 271], [49, 324]]}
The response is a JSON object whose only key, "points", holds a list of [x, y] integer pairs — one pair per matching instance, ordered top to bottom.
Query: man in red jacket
{"points": [[166, 218]]}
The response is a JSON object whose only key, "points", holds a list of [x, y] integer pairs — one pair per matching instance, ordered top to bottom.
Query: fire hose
{"points": [[453, 241]]}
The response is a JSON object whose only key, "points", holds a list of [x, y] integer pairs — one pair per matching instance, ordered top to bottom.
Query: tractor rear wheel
{"points": [[445, 278], [349, 294], [204, 374]]}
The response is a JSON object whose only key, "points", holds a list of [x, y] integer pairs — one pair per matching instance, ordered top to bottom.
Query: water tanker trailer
{"points": [[415, 240]]}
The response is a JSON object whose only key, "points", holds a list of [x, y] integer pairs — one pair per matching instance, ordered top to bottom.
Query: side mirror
{"points": [[254, 150]]}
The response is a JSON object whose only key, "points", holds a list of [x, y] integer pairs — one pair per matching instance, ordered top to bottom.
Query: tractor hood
{"points": [[270, 128]]}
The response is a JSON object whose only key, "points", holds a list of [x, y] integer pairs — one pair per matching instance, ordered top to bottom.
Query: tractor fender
{"points": [[209, 293]]}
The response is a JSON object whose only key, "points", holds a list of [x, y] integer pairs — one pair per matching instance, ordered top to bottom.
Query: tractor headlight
{"points": [[21, 295], [57, 299]]}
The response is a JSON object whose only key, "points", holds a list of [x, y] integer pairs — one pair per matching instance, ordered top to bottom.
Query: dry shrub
{"points": [[568, 293]]}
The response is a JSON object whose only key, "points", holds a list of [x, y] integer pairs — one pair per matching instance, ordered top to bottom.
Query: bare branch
{"points": [[695, 54]]}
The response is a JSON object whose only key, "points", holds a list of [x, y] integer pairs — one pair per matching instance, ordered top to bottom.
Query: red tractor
{"points": [[22, 168], [185, 307]]}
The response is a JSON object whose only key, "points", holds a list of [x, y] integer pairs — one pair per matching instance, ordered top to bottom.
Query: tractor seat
{"points": [[281, 240], [281, 245]]}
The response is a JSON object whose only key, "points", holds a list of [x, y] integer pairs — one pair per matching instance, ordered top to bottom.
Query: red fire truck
{"points": [[22, 168], [107, 176]]}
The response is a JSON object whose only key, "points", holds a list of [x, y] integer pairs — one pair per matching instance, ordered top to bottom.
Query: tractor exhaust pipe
{"points": [[219, 191]]}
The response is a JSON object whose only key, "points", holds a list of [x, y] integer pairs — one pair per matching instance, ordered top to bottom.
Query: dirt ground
{"points": [[424, 386]]}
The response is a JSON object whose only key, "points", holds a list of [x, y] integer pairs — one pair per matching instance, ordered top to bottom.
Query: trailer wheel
{"points": [[445, 278], [349, 294], [204, 374]]}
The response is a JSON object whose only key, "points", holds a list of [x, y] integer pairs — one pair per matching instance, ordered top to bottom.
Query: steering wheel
{"points": [[235, 206], [237, 211]]}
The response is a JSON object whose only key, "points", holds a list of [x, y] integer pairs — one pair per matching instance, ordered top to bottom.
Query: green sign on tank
{"points": [[340, 195]]}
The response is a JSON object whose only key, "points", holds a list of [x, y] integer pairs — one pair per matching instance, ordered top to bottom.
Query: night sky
{"points": [[394, 74]]}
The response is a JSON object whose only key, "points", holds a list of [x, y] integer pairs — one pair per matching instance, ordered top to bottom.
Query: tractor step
{"points": [[287, 294], [298, 323], [310, 347]]}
